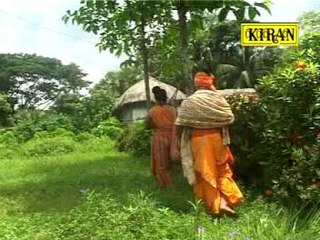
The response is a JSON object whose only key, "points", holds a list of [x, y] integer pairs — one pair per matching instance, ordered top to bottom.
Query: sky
{"points": [[35, 26]]}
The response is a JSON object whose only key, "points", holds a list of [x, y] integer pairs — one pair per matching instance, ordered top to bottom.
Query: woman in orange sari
{"points": [[161, 120], [206, 157]]}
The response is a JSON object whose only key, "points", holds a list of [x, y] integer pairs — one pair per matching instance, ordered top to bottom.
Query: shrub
{"points": [[6, 119], [32, 121], [111, 128], [59, 132], [281, 135], [8, 137], [84, 137], [135, 139], [244, 139], [49, 146]]}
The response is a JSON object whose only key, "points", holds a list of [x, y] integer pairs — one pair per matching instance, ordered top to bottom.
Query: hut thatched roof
{"points": [[136, 93]]}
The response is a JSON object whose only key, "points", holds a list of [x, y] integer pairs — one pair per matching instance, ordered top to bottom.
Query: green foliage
{"points": [[310, 21], [113, 22], [310, 42], [217, 46], [31, 81], [115, 83], [69, 104], [97, 107], [6, 111], [247, 111], [87, 112], [32, 121], [292, 124], [111, 128], [281, 134], [8, 137], [85, 137], [135, 139], [44, 143], [49, 146], [96, 192]]}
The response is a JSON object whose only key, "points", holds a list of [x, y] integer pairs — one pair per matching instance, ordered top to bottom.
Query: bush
{"points": [[6, 111], [32, 121], [111, 128], [59, 132], [281, 134], [8, 137], [84, 137], [135, 139], [244, 139], [49, 146]]}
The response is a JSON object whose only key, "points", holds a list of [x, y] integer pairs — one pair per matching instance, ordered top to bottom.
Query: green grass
{"points": [[67, 189]]}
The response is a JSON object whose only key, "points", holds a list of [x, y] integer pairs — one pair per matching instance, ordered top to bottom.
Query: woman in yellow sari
{"points": [[203, 119], [161, 120]]}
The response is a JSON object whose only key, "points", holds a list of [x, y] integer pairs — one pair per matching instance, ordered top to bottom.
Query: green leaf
{"points": [[264, 6], [223, 13], [252, 13], [239, 14], [65, 19]]}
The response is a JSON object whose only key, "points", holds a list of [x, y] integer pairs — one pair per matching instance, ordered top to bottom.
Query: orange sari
{"points": [[162, 120], [213, 174]]}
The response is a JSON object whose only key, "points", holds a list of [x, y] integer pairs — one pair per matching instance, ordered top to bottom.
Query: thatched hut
{"points": [[132, 103]]}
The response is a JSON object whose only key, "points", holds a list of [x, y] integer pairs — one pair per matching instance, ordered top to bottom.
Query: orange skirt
{"points": [[160, 159], [213, 174]]}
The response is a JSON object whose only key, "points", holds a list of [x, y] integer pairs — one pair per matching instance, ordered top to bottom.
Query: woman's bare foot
{"points": [[225, 208]]}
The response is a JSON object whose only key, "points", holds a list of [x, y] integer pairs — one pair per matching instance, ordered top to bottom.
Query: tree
{"points": [[239, 8], [310, 21], [133, 26], [124, 27], [311, 33], [188, 40], [236, 66], [32, 81], [117, 82], [86, 112]]}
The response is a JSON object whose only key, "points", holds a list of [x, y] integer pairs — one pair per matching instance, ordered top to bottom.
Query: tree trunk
{"points": [[183, 32], [144, 55]]}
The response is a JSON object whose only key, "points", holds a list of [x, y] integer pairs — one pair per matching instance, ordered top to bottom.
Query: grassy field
{"points": [[64, 188]]}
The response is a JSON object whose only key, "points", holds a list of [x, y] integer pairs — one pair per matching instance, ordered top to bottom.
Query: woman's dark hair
{"points": [[201, 68], [156, 89], [160, 95]]}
